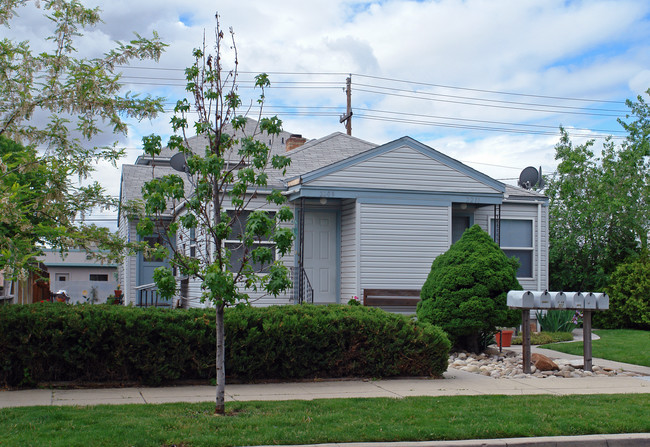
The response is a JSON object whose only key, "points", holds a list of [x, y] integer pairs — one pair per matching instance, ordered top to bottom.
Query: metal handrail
{"points": [[303, 291], [148, 296]]}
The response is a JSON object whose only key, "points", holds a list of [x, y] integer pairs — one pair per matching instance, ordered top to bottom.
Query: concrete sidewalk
{"points": [[455, 383]]}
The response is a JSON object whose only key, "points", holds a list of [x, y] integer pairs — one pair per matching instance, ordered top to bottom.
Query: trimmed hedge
{"points": [[54, 342]]}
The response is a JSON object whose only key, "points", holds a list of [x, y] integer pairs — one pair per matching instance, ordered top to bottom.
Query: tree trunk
{"points": [[220, 407]]}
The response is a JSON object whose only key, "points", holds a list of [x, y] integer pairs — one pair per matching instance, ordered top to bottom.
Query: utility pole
{"points": [[348, 115]]}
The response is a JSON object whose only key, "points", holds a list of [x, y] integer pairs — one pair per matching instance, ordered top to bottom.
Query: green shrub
{"points": [[465, 292], [629, 297], [559, 320], [544, 338], [50, 342]]}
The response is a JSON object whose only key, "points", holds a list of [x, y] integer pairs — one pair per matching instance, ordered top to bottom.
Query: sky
{"points": [[487, 82]]}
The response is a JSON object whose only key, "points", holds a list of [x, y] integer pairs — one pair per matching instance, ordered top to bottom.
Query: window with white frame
{"points": [[516, 237], [236, 247]]}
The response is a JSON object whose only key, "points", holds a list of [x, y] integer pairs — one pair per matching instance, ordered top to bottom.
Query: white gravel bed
{"points": [[508, 365]]}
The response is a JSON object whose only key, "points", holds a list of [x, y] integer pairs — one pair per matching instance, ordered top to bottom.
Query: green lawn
{"points": [[620, 345], [327, 420]]}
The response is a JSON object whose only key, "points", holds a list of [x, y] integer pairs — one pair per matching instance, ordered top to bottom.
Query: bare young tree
{"points": [[229, 171]]}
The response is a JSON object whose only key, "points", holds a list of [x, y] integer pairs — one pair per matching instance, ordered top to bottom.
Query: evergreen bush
{"points": [[465, 292], [55, 342]]}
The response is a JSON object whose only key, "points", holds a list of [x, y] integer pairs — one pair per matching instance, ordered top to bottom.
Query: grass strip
{"points": [[543, 338], [619, 345], [325, 421]]}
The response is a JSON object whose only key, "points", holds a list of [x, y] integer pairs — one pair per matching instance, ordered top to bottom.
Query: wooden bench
{"points": [[392, 300]]}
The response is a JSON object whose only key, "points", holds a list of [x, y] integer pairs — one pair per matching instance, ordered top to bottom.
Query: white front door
{"points": [[320, 255]]}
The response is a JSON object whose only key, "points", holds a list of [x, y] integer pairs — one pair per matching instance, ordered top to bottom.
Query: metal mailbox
{"points": [[522, 299], [543, 300], [558, 300], [575, 300], [590, 301], [602, 301]]}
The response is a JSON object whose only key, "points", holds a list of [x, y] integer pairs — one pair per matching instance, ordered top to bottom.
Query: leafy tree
{"points": [[57, 103], [230, 172], [599, 208], [465, 292], [629, 296]]}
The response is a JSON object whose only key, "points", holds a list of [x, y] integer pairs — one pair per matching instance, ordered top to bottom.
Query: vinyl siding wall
{"points": [[404, 169], [399, 243], [349, 250], [127, 272]]}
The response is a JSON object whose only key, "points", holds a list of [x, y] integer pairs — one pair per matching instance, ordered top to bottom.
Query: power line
{"points": [[397, 80], [489, 91], [490, 100], [487, 105], [404, 117], [471, 127]]}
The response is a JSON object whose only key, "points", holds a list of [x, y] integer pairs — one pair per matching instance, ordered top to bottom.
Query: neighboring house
{"points": [[375, 217], [136, 272], [80, 275], [31, 289]]}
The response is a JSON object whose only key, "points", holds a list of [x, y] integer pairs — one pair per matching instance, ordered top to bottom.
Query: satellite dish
{"points": [[178, 162], [529, 177]]}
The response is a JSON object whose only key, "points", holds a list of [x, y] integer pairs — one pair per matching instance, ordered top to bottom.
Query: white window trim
{"points": [[532, 248]]}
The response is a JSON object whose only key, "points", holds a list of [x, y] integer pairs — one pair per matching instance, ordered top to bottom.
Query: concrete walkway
{"points": [[455, 383]]}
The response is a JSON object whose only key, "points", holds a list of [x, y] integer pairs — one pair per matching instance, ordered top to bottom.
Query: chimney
{"points": [[294, 141]]}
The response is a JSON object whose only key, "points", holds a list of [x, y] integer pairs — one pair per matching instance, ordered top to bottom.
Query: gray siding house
{"points": [[375, 217]]}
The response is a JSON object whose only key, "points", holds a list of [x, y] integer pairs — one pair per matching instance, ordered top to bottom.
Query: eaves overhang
{"points": [[393, 195]]}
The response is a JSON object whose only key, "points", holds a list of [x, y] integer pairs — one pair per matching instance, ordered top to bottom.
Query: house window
{"points": [[517, 241], [235, 246], [62, 277], [98, 277]]}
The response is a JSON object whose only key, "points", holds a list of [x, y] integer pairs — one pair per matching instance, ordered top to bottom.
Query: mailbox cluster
{"points": [[526, 299]]}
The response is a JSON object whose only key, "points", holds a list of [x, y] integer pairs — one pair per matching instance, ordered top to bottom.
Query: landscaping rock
{"points": [[544, 363], [509, 365]]}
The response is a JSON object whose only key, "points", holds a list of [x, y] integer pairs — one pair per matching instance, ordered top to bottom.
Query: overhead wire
{"points": [[399, 116]]}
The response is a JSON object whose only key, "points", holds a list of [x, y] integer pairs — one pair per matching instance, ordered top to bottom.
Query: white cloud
{"points": [[578, 49]]}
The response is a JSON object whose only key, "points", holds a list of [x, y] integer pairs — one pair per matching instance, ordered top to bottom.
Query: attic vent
{"points": [[294, 141]]}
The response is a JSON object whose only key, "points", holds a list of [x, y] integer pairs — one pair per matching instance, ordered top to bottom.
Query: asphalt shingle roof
{"points": [[197, 144], [316, 154], [515, 192]]}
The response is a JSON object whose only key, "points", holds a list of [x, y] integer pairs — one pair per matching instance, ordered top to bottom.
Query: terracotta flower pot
{"points": [[507, 338]]}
